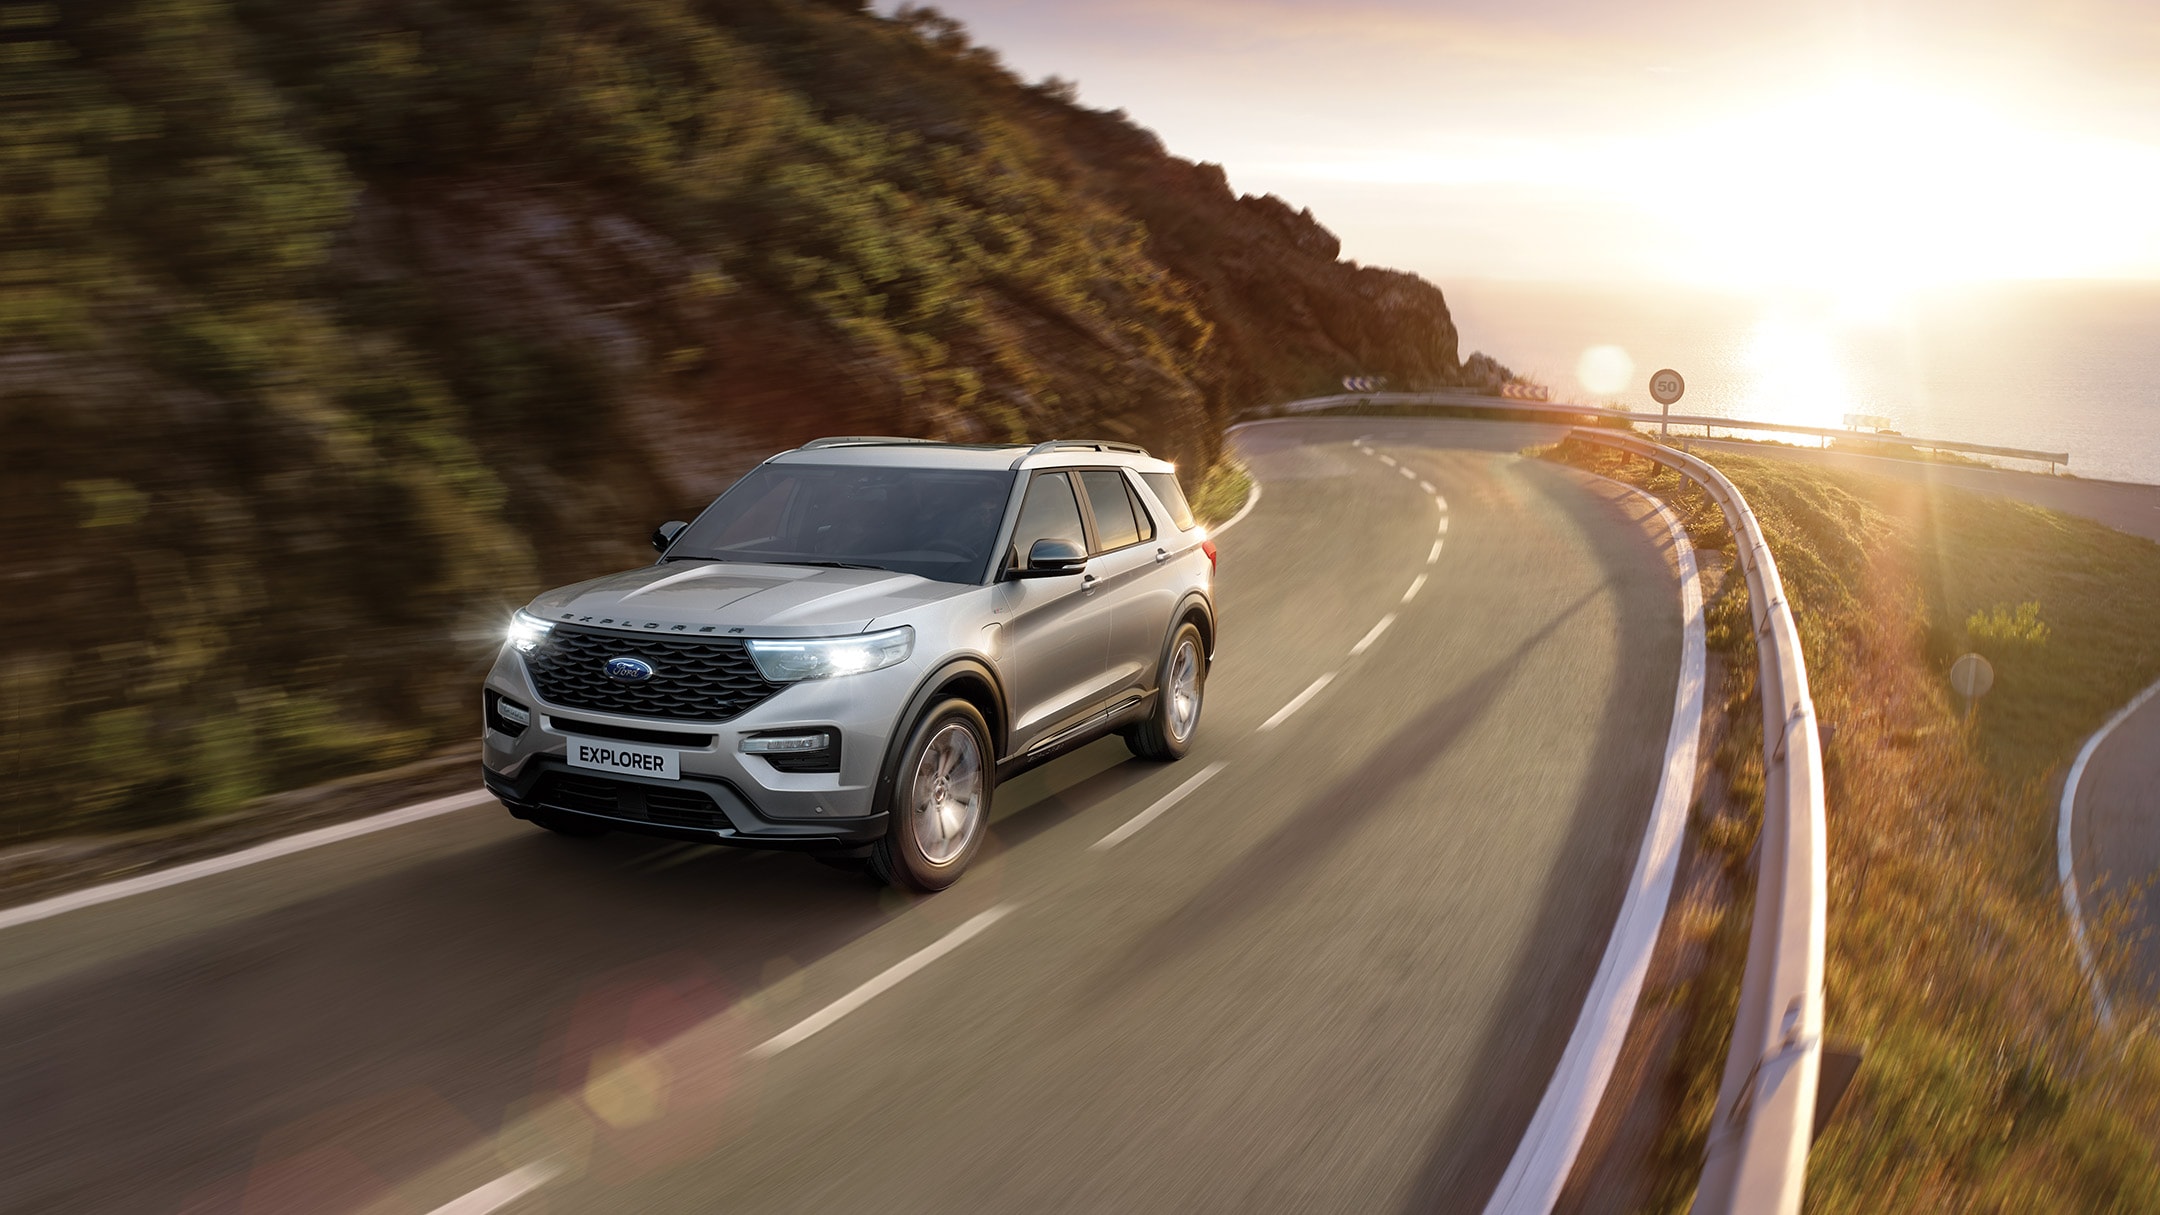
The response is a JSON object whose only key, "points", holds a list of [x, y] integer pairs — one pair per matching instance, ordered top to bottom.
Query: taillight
{"points": [[1208, 547]]}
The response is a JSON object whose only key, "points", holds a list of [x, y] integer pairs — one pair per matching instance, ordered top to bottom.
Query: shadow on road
{"points": [[1269, 870], [353, 1039]]}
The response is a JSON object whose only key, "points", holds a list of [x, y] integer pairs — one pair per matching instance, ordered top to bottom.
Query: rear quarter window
{"points": [[1168, 492]]}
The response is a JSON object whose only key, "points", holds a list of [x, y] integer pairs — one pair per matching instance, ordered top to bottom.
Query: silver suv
{"points": [[851, 646]]}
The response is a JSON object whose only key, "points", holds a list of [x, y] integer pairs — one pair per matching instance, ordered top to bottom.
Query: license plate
{"points": [[627, 759]]}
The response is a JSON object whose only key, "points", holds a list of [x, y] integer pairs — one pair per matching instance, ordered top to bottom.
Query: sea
{"points": [[2051, 366]]}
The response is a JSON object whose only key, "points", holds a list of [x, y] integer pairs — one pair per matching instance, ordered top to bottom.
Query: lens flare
{"points": [[1604, 370]]}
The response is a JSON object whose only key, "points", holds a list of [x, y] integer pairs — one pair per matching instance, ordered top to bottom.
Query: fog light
{"points": [[506, 716], [783, 744], [798, 750]]}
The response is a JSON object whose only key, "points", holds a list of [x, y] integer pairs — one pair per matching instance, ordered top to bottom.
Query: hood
{"points": [[751, 600]]}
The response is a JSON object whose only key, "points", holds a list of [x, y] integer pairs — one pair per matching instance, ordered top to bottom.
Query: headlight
{"points": [[527, 631], [824, 657]]}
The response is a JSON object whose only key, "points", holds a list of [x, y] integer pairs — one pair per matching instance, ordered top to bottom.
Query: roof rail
{"points": [[859, 441], [1080, 445]]}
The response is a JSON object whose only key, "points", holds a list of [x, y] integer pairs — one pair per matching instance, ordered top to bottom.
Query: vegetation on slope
{"points": [[328, 332], [1988, 1084]]}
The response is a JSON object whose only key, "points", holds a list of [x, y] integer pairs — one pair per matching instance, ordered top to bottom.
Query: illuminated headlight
{"points": [[527, 631], [825, 657]]}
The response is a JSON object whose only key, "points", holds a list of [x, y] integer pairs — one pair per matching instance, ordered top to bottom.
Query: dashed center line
{"points": [[1388, 460], [1407, 474], [1427, 486], [1443, 522], [1433, 557], [1416, 585], [1365, 642], [1297, 702], [1155, 811], [884, 982], [501, 1192]]}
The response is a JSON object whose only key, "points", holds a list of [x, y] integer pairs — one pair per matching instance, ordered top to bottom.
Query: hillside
{"points": [[329, 332]]}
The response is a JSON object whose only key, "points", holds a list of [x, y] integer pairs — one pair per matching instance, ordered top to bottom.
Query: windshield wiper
{"points": [[834, 565]]}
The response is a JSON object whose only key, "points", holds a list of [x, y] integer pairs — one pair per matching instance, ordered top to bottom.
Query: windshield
{"points": [[933, 522]]}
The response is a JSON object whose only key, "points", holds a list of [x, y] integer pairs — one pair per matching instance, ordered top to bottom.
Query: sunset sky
{"points": [[1859, 149]]}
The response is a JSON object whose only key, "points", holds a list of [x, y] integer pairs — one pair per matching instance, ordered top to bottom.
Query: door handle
{"points": [[1161, 555], [1087, 584]]}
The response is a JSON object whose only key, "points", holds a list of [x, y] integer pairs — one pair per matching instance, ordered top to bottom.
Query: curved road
{"points": [[1334, 975]]}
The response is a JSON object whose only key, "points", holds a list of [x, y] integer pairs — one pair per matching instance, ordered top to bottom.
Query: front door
{"points": [[1054, 633]]}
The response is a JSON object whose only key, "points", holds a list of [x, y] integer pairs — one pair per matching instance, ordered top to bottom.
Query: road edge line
{"points": [[1251, 500], [2066, 853], [110, 892], [1546, 1154]]}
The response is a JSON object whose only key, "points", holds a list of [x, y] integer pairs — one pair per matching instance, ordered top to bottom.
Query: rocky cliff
{"points": [[331, 331]]}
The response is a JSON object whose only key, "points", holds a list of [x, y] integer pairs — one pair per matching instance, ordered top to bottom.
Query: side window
{"points": [[1171, 495], [1050, 512], [1141, 512], [1115, 526]]}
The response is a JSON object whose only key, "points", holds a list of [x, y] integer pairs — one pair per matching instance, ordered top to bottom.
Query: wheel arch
{"points": [[1196, 609], [968, 679]]}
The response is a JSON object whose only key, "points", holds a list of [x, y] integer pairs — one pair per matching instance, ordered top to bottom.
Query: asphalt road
{"points": [[2116, 832], [1335, 975]]}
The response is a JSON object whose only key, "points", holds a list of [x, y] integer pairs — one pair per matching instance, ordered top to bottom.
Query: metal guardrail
{"points": [[1468, 400], [1756, 1159]]}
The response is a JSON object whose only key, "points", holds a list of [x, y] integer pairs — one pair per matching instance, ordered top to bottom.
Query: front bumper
{"points": [[723, 796], [700, 811]]}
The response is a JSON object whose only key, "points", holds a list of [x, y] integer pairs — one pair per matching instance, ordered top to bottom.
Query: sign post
{"points": [[1665, 388]]}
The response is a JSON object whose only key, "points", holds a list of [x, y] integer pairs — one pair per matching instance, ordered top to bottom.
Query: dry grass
{"points": [[1222, 492], [1988, 1085]]}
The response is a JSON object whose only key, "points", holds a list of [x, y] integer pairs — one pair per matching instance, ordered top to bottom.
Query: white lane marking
{"points": [[1388, 460], [1407, 474], [1427, 486], [1251, 500], [1443, 520], [1433, 557], [1417, 584], [1365, 642], [1297, 702], [1149, 815], [2066, 860], [61, 904], [884, 982], [1547, 1152], [502, 1191]]}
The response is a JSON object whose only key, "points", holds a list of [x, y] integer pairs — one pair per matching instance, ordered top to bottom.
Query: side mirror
{"points": [[665, 534], [1050, 557]]}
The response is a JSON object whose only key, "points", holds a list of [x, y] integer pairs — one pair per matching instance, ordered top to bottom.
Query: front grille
{"points": [[692, 680], [584, 793], [630, 800], [682, 808]]}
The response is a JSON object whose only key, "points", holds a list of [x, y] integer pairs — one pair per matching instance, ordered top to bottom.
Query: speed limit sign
{"points": [[1665, 388]]}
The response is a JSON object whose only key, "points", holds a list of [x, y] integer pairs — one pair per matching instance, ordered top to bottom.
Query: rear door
{"points": [[1132, 566], [1054, 633]]}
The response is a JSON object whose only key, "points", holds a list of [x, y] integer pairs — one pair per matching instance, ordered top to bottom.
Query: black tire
{"points": [[1158, 738], [564, 826], [913, 853]]}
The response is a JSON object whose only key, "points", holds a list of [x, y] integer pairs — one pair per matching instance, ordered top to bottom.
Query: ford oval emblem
{"points": [[628, 670]]}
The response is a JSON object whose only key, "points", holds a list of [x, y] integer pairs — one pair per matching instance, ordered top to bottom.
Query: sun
{"points": [[1871, 189]]}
